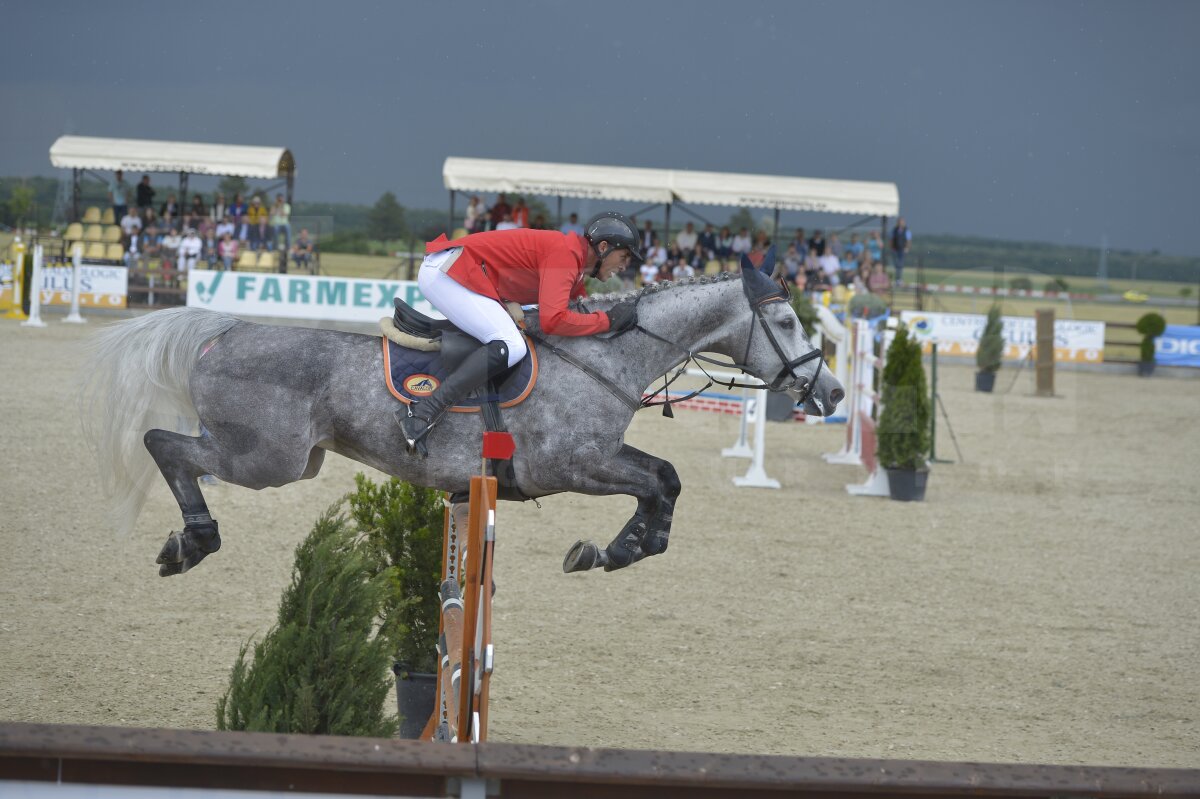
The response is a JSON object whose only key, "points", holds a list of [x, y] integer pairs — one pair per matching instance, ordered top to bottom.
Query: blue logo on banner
{"points": [[206, 293], [1179, 345]]}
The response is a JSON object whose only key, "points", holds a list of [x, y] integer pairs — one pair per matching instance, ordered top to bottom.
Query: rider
{"points": [[467, 280]]}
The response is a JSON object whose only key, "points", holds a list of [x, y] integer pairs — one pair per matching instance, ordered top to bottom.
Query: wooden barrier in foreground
{"points": [[64, 759]]}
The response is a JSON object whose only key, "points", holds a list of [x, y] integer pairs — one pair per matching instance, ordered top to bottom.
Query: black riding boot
{"points": [[417, 418]]}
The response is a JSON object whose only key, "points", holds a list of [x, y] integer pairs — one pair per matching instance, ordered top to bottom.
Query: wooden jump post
{"points": [[465, 635]]}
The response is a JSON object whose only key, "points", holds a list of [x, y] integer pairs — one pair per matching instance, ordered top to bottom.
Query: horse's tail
{"points": [[137, 378]]}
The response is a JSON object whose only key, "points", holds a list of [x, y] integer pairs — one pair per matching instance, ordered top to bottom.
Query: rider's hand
{"points": [[622, 316]]}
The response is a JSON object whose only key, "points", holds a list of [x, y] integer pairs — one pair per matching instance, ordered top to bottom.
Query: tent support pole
{"points": [[183, 181], [75, 195], [558, 219], [450, 221], [667, 229], [775, 231]]}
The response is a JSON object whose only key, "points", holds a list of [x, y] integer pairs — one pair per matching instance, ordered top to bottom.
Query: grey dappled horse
{"points": [[272, 400]]}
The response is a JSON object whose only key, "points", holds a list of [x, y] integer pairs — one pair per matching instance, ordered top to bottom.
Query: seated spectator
{"points": [[238, 209], [218, 210], [197, 211], [169, 212], [520, 213], [496, 215], [149, 219], [473, 222], [506, 222], [539, 222], [131, 223], [256, 223], [280, 224], [572, 225], [225, 226], [648, 236], [686, 239], [708, 240], [799, 242], [817, 242], [741, 244], [724, 245], [835, 245], [149, 246], [191, 246], [855, 246], [875, 246], [170, 249], [210, 249], [227, 249], [302, 250], [758, 252], [656, 255], [674, 255], [697, 258], [849, 262], [793, 264], [686, 266], [830, 266], [812, 270], [649, 271], [664, 272], [801, 281], [878, 282]]}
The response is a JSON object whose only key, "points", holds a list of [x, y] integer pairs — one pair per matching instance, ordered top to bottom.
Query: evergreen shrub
{"points": [[1151, 326], [991, 342], [903, 432], [322, 669]]}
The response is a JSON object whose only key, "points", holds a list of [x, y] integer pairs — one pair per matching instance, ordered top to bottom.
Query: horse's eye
{"points": [[788, 324]]}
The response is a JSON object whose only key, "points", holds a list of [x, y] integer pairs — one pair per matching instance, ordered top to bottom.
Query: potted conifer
{"points": [[1151, 326], [991, 350], [903, 431], [403, 525]]}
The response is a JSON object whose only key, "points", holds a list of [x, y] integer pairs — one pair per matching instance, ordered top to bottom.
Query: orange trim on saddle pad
{"points": [[426, 384]]}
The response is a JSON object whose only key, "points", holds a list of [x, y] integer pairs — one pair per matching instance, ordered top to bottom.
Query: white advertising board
{"points": [[100, 286], [316, 297], [958, 334]]}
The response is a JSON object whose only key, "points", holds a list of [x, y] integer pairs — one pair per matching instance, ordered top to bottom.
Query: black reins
{"points": [[779, 383]]}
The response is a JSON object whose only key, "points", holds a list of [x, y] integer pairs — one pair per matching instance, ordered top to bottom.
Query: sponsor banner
{"points": [[100, 286], [316, 297], [958, 334], [1179, 345]]}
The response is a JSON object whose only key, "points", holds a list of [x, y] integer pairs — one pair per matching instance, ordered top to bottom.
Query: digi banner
{"points": [[100, 286], [316, 297], [958, 334], [1179, 345]]}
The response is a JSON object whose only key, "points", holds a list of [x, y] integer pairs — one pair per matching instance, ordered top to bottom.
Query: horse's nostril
{"points": [[836, 396]]}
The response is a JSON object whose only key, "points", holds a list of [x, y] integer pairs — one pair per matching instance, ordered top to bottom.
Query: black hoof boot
{"points": [[414, 429], [655, 542], [185, 549], [626, 549], [584, 555]]}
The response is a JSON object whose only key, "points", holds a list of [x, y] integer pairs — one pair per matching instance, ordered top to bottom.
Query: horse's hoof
{"points": [[172, 551], [582, 556]]}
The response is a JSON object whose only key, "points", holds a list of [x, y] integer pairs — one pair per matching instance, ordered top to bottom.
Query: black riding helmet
{"points": [[620, 233]]}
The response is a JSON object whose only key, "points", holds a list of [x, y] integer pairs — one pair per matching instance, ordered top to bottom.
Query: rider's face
{"points": [[614, 263]]}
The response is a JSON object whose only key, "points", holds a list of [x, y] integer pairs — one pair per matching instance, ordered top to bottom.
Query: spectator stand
{"points": [[86, 155], [671, 188]]}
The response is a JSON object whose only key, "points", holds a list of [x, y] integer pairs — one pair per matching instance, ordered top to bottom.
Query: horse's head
{"points": [[777, 350]]}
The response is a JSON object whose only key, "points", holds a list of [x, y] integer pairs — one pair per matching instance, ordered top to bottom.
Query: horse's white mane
{"points": [[664, 285]]}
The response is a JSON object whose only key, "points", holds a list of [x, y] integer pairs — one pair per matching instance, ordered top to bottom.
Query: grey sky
{"points": [[1053, 121]]}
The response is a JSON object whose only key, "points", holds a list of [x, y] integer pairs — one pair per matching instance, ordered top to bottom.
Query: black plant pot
{"points": [[1145, 368], [985, 381], [907, 485], [416, 696]]}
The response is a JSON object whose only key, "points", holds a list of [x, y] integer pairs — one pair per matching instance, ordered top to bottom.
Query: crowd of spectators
{"points": [[212, 233], [810, 262]]}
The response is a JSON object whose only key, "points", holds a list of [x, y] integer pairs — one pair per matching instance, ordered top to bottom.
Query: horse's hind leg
{"points": [[183, 459], [655, 484]]}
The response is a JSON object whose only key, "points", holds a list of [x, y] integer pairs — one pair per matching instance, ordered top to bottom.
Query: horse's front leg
{"points": [[655, 484]]}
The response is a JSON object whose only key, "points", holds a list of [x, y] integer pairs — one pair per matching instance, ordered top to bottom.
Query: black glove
{"points": [[622, 317]]}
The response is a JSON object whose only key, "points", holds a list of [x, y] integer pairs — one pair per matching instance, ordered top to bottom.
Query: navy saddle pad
{"points": [[413, 374]]}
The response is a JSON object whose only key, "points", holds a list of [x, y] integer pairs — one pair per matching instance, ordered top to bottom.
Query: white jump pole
{"points": [[35, 291], [73, 317], [741, 449], [756, 475]]}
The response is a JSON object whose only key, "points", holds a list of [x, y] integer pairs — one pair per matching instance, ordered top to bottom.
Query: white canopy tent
{"points": [[80, 153], [671, 186]]}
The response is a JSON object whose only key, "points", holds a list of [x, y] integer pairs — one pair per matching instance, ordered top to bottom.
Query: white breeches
{"points": [[481, 317]]}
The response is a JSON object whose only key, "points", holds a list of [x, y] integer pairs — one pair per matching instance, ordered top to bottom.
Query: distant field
{"points": [[1075, 284]]}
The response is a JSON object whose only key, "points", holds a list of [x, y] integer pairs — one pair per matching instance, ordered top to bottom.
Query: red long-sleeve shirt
{"points": [[527, 266]]}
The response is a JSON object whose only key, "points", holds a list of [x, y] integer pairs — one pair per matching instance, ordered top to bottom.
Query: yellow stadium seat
{"points": [[91, 216], [106, 217], [74, 232], [93, 233], [111, 233], [459, 233], [71, 245], [94, 252], [114, 252], [266, 260], [247, 261], [712, 267]]}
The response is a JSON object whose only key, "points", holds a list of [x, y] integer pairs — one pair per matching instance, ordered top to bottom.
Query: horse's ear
{"points": [[747, 264], [768, 264]]}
